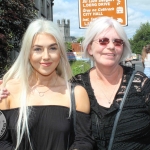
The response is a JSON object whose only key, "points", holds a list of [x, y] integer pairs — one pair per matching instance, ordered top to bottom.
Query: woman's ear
{"points": [[89, 49]]}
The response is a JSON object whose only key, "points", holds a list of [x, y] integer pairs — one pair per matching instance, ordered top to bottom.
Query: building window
{"points": [[42, 7], [48, 11]]}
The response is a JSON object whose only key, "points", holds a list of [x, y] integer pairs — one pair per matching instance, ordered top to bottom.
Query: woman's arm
{"points": [[146, 92], [83, 135], [5, 138]]}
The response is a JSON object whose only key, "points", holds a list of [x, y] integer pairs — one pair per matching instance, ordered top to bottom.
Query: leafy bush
{"points": [[15, 16]]}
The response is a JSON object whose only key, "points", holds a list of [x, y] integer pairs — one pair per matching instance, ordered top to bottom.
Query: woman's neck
{"points": [[109, 74], [49, 81]]}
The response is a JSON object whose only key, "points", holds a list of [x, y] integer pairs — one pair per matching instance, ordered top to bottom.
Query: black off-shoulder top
{"points": [[49, 128]]}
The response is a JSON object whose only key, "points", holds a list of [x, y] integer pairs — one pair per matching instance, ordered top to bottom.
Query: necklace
{"points": [[41, 94], [110, 98]]}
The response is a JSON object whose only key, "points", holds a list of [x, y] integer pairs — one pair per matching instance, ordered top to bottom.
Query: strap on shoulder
{"points": [[73, 107], [119, 111], [72, 117]]}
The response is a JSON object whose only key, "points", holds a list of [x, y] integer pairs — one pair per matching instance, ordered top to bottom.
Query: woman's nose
{"points": [[111, 45], [46, 54]]}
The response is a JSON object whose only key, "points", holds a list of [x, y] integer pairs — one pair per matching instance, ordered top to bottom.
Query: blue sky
{"points": [[138, 12]]}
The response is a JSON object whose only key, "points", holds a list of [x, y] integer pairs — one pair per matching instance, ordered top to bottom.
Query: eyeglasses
{"points": [[105, 41]]}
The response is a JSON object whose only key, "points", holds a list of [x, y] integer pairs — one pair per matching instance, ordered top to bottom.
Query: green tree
{"points": [[15, 16], [141, 38], [80, 40], [68, 46]]}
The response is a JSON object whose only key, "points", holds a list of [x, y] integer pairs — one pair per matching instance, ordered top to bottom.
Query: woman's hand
{"points": [[3, 92]]}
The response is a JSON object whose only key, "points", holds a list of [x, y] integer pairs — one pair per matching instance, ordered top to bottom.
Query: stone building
{"points": [[45, 8], [65, 29]]}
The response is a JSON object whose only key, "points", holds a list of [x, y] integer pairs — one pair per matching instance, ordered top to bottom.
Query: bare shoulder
{"points": [[13, 87], [82, 99]]}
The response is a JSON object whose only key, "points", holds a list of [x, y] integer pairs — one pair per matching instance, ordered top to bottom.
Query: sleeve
{"points": [[146, 94], [83, 136], [5, 138], [5, 142], [6, 145]]}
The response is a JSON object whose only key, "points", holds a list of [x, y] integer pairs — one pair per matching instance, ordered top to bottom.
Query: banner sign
{"points": [[92, 9]]}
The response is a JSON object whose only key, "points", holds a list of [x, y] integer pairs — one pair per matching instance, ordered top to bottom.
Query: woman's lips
{"points": [[45, 64]]}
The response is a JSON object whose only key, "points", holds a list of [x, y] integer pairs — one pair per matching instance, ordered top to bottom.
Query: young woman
{"points": [[37, 110]]}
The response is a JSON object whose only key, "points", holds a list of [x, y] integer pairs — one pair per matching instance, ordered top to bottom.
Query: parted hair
{"points": [[101, 24], [22, 69]]}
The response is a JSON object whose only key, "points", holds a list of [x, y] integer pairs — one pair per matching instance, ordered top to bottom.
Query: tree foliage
{"points": [[15, 16], [141, 38], [80, 40], [68, 46]]}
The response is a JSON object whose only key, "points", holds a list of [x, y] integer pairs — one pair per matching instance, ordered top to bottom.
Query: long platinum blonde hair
{"points": [[101, 24], [22, 68]]}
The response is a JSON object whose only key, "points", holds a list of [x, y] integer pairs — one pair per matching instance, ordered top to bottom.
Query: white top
{"points": [[147, 61]]}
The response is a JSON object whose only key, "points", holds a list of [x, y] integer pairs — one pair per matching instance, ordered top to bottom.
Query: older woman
{"points": [[107, 45]]}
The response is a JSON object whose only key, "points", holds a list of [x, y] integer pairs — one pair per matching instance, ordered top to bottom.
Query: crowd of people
{"points": [[37, 87]]}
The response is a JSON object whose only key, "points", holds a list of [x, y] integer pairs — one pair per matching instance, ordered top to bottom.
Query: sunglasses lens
{"points": [[104, 41], [118, 42]]}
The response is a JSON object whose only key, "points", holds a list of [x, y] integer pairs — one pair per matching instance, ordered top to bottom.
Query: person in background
{"points": [[107, 45], [146, 59], [38, 107]]}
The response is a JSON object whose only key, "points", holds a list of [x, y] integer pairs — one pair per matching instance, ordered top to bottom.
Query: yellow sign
{"points": [[92, 9]]}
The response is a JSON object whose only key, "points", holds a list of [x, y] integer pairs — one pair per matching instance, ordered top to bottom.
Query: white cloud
{"points": [[138, 12]]}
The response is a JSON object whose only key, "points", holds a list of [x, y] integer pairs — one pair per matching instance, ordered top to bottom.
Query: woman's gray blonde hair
{"points": [[101, 24]]}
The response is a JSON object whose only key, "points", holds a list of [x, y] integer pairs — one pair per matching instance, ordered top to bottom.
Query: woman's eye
{"points": [[53, 48], [37, 49]]}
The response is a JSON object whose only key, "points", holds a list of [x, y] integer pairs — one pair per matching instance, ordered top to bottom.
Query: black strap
{"points": [[73, 107], [119, 112], [72, 116]]}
